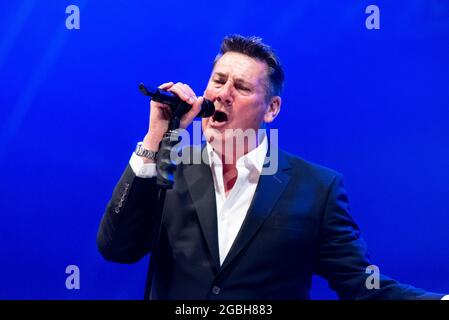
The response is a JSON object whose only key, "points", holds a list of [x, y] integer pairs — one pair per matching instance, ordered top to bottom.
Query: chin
{"points": [[214, 134]]}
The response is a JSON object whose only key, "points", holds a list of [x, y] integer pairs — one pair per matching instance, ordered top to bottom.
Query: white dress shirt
{"points": [[231, 209]]}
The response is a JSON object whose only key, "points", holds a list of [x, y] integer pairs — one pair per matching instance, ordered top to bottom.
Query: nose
{"points": [[225, 94]]}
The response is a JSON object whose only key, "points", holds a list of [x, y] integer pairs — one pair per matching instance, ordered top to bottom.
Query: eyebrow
{"points": [[237, 80]]}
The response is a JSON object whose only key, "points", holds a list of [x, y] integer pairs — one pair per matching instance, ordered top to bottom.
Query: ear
{"points": [[273, 109]]}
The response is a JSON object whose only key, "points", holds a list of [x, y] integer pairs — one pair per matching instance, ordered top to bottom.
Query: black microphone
{"points": [[177, 106]]}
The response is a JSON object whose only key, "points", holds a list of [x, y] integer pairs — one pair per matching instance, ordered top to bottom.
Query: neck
{"points": [[231, 151], [229, 160], [230, 175]]}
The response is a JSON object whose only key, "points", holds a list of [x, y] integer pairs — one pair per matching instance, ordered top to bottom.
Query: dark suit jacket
{"points": [[298, 224]]}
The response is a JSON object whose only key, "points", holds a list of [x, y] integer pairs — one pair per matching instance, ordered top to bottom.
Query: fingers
{"points": [[166, 85], [184, 92], [191, 93], [196, 107], [187, 119]]}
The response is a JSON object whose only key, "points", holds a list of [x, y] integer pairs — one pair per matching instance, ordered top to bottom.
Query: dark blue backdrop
{"points": [[372, 104]]}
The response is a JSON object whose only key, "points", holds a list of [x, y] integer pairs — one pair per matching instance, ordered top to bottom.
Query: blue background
{"points": [[372, 104]]}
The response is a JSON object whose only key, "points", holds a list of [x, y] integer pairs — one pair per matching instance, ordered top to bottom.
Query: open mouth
{"points": [[220, 116]]}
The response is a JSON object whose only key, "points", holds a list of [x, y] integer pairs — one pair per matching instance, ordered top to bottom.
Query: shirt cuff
{"points": [[141, 169], [446, 297]]}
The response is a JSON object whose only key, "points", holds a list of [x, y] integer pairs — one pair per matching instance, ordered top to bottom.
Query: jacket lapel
{"points": [[201, 187], [269, 189]]}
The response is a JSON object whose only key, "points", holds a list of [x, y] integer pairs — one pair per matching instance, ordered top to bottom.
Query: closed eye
{"points": [[219, 81], [243, 88]]}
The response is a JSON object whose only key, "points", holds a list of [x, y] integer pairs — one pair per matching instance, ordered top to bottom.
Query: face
{"points": [[238, 86]]}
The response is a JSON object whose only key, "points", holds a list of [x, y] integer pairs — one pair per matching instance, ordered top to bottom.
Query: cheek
{"points": [[210, 94], [251, 113]]}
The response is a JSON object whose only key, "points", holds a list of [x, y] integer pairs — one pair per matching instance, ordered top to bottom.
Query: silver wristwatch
{"points": [[141, 151]]}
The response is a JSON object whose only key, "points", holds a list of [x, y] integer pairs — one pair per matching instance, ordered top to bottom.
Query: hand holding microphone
{"points": [[165, 101], [174, 101], [173, 106]]}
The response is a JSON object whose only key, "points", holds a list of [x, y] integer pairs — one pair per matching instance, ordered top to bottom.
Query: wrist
{"points": [[151, 142], [147, 156]]}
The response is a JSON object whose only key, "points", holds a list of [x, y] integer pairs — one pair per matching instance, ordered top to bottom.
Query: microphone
{"points": [[177, 106]]}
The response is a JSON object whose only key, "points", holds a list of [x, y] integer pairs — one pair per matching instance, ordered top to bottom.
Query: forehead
{"points": [[241, 66]]}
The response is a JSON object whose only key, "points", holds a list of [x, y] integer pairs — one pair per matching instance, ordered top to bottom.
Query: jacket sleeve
{"points": [[131, 220], [343, 259]]}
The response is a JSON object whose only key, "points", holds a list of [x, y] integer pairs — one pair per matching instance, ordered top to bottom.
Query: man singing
{"points": [[229, 229]]}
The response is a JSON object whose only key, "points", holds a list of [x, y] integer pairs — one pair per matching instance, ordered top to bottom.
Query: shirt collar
{"points": [[255, 158]]}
